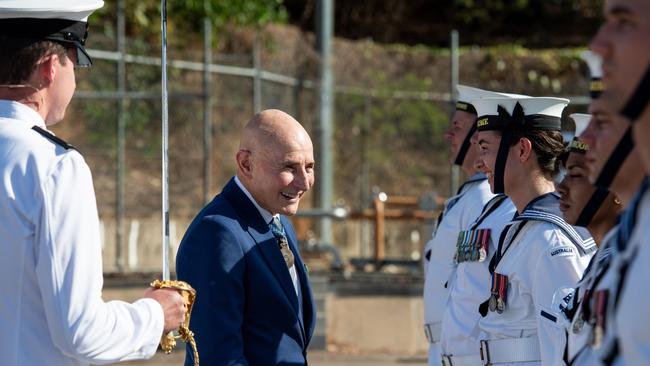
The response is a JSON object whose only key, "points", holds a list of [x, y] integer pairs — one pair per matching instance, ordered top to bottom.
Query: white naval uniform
{"points": [[460, 211], [543, 265], [598, 276], [468, 288], [51, 307], [632, 313]]}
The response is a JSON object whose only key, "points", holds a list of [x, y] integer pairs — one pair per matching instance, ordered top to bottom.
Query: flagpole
{"points": [[165, 146]]}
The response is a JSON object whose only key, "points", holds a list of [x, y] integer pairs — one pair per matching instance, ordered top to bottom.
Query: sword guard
{"points": [[168, 341]]}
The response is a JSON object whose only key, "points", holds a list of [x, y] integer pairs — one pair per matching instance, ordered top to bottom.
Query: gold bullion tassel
{"points": [[168, 341]]}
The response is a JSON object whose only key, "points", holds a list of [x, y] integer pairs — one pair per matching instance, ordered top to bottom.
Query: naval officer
{"points": [[51, 308]]}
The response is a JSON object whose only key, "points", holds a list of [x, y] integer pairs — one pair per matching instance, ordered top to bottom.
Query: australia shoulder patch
{"points": [[563, 251]]}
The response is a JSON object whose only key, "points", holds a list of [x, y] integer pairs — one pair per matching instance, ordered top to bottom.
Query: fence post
{"points": [[257, 79], [326, 96], [207, 108], [121, 136], [455, 171]]}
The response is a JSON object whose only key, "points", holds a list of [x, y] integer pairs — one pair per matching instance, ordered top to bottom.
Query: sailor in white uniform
{"points": [[622, 42], [612, 167], [459, 212], [539, 258], [469, 284], [630, 299], [51, 307], [587, 309]]}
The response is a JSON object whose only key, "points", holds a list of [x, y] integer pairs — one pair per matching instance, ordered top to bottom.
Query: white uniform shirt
{"points": [[440, 249], [543, 266], [468, 288], [51, 307], [633, 311], [579, 347]]}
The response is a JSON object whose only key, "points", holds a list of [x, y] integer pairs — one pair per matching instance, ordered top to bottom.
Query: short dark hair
{"points": [[20, 56], [548, 147]]}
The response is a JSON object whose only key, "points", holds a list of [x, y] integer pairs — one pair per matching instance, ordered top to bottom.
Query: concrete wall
{"points": [[390, 324]]}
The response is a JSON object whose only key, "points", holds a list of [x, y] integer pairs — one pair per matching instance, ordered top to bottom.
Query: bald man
{"points": [[254, 303]]}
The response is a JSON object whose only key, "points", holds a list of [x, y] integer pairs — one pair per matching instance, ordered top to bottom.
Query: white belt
{"points": [[432, 332], [508, 350], [471, 360]]}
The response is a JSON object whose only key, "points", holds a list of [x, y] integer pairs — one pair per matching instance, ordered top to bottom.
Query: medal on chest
{"points": [[472, 245], [498, 293], [584, 313], [599, 316]]}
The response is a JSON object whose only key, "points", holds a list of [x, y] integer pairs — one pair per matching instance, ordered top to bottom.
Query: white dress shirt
{"points": [[467, 206], [268, 217], [543, 266], [599, 277], [468, 288], [51, 307], [632, 314]]}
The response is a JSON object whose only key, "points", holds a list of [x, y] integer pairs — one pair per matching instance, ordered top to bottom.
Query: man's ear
{"points": [[46, 69], [525, 148], [244, 163]]}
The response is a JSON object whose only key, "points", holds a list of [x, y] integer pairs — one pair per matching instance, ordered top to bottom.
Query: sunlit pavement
{"points": [[316, 358]]}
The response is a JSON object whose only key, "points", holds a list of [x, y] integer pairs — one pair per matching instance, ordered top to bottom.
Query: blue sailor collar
{"points": [[477, 177], [547, 208]]}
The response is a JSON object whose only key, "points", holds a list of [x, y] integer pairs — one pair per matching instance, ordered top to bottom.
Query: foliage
{"points": [[143, 16]]}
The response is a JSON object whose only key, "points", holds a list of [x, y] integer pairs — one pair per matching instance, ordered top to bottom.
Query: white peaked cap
{"points": [[76, 10], [595, 63], [469, 94], [544, 105], [489, 106], [538, 106], [581, 120]]}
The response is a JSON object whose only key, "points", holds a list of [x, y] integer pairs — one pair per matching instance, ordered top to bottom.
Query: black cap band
{"points": [[64, 31], [596, 88], [639, 100], [465, 107], [517, 121], [467, 142], [577, 146], [615, 161], [589, 211]]}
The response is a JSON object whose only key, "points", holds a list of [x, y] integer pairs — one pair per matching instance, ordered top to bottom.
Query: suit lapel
{"points": [[261, 234], [308, 310]]}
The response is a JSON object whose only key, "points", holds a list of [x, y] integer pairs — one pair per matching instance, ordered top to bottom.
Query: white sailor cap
{"points": [[61, 21], [595, 64], [468, 94], [529, 113], [581, 120]]}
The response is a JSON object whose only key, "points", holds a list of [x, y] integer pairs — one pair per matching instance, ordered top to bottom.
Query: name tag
{"points": [[472, 245]]}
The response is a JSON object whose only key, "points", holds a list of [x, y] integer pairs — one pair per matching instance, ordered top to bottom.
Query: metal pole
{"points": [[257, 79], [207, 108], [121, 137], [165, 145], [455, 169], [365, 175], [326, 180]]}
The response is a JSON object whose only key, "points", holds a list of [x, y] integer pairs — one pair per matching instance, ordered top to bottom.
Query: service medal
{"points": [[492, 303], [501, 305], [578, 324]]}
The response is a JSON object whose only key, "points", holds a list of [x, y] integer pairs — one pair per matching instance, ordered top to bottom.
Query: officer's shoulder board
{"points": [[54, 139], [584, 246]]}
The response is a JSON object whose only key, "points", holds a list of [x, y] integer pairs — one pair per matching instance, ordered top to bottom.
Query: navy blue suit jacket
{"points": [[246, 310]]}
